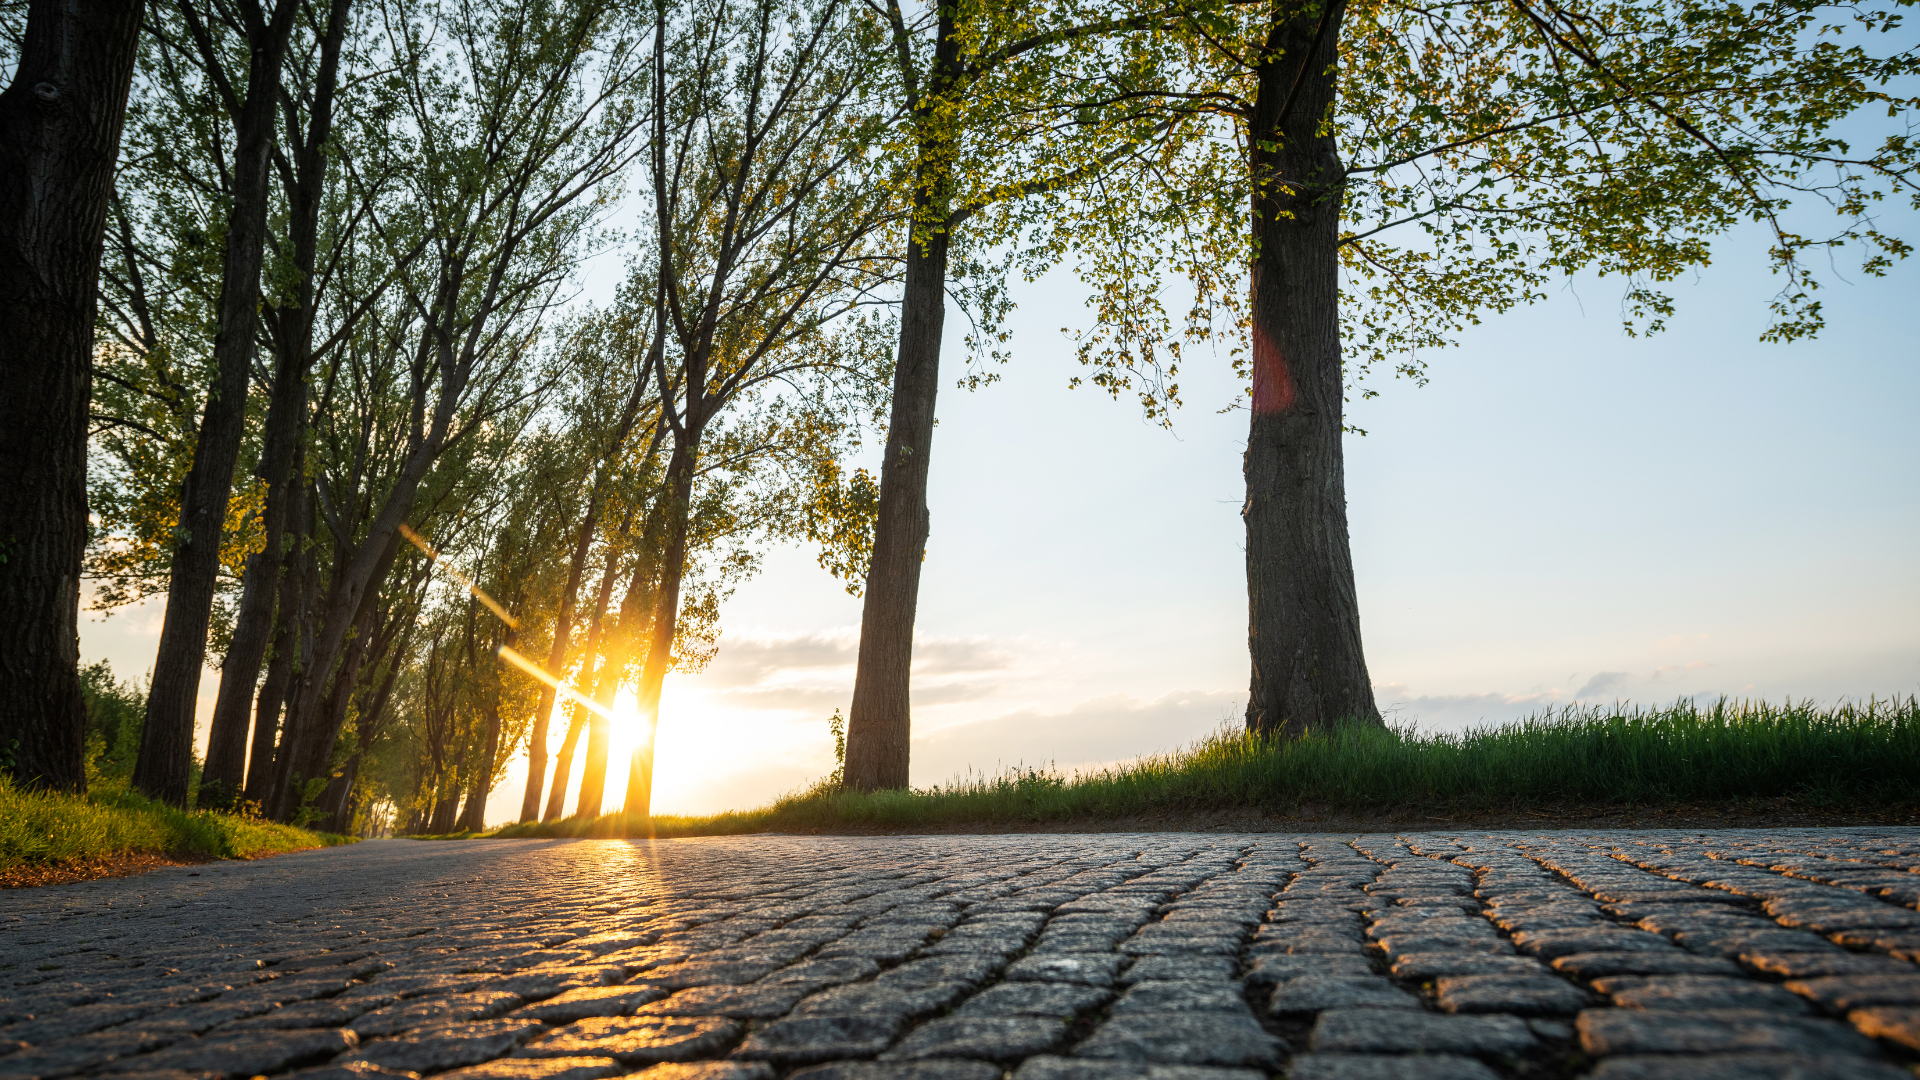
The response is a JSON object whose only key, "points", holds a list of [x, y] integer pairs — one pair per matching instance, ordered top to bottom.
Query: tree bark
{"points": [[60, 122], [285, 423], [664, 622], [1309, 672], [880, 719], [880, 722], [166, 742], [475, 819]]}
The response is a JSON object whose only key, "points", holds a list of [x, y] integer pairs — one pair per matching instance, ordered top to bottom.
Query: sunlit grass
{"points": [[1847, 755], [45, 828]]}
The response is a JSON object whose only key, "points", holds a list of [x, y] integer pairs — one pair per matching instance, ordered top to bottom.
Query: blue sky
{"points": [[1563, 514]]}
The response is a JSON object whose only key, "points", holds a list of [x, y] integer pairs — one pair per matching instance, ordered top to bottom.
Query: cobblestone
{"points": [[1781, 955]]}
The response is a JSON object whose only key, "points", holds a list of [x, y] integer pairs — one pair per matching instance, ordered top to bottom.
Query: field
{"points": [[1744, 757]]}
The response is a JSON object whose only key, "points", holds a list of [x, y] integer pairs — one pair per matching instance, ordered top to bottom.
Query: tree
{"points": [[1000, 103], [543, 116], [60, 123], [1510, 142], [767, 211], [166, 742]]}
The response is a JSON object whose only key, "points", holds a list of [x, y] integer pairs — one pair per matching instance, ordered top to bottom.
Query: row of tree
{"points": [[340, 244]]}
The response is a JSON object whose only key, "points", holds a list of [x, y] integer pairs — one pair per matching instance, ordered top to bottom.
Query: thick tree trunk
{"points": [[60, 122], [664, 623], [1309, 672], [880, 719], [880, 722], [166, 742], [221, 777]]}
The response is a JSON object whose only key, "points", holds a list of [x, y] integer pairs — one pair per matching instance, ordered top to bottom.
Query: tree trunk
{"points": [[60, 122], [280, 440], [1303, 615], [665, 620], [557, 663], [273, 689], [880, 719], [880, 723], [311, 726], [166, 743], [563, 766], [563, 770], [337, 801], [475, 819]]}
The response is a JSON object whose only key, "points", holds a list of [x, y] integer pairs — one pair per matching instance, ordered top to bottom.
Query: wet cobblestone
{"points": [[1615, 955]]}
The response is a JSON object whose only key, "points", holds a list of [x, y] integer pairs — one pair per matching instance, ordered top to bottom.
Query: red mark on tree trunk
{"points": [[1272, 381]]}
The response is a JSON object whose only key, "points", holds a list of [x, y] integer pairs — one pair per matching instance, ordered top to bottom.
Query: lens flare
{"points": [[454, 571], [565, 691]]}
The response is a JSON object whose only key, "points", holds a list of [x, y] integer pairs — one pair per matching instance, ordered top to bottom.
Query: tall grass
{"points": [[1850, 754], [42, 828]]}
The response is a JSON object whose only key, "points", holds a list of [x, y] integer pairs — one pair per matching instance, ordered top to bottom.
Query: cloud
{"points": [[952, 656], [748, 660], [1607, 682], [1451, 712]]}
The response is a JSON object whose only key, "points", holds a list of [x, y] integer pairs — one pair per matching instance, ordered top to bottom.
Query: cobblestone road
{"points": [[1458, 956]]}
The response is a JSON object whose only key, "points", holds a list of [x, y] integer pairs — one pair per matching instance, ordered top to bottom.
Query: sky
{"points": [[1563, 515]]}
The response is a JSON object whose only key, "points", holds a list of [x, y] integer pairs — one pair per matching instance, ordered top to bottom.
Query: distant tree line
{"points": [[295, 340]]}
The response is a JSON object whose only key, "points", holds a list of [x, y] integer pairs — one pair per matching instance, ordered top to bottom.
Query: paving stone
{"points": [[1551, 944], [1671, 962], [1804, 965], [1423, 966], [1276, 967], [1161, 968], [940, 970], [1086, 970], [708, 973], [820, 973], [1696, 992], [1313, 993], [1842, 993], [1521, 995], [1182, 996], [876, 999], [1062, 1000], [591, 1001], [751, 1002], [331, 1012], [393, 1019], [1892, 1023], [1394, 1031], [1710, 1031], [990, 1038], [1184, 1038], [807, 1039], [638, 1040], [449, 1046], [81, 1054], [242, 1055], [1371, 1067], [1745, 1067], [580, 1068], [1060, 1068], [346, 1070], [708, 1070], [900, 1070]]}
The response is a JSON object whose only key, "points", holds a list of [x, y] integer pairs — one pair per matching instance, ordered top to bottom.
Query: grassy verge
{"points": [[1849, 756], [42, 829]]}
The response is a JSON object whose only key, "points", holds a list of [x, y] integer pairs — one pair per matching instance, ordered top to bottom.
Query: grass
{"points": [[1850, 755], [39, 828]]}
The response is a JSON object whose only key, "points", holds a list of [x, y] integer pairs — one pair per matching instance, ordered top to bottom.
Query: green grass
{"points": [[1851, 755], [46, 828]]}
